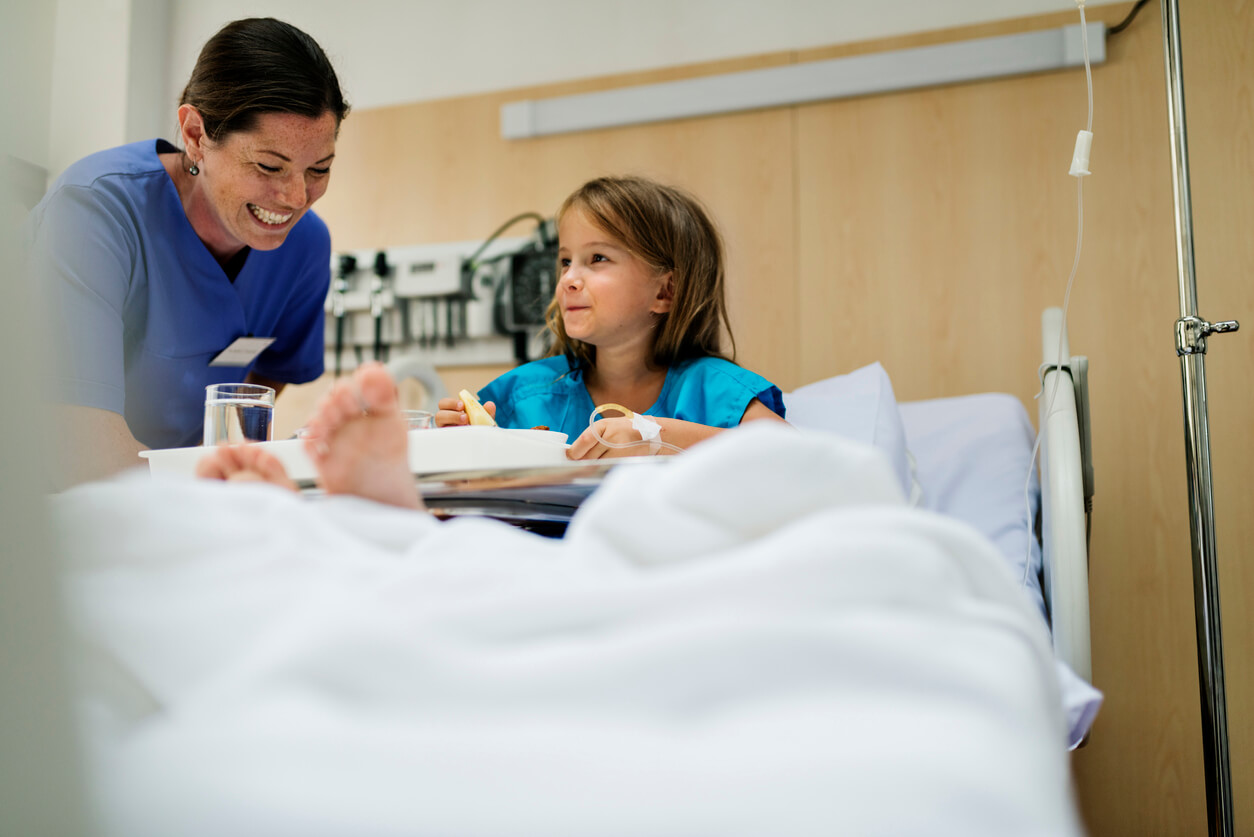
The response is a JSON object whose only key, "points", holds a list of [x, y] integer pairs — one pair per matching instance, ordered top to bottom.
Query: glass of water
{"points": [[237, 413]]}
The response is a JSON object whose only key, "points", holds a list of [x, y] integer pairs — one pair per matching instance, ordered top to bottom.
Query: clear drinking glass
{"points": [[237, 413], [418, 419]]}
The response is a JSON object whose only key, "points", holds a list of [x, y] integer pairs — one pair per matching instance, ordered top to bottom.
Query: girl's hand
{"points": [[452, 412], [616, 430]]}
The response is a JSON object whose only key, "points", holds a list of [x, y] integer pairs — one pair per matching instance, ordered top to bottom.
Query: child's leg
{"points": [[359, 441], [243, 463]]}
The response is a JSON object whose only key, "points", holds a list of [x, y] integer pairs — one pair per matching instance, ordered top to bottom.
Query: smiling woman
{"points": [[252, 188], [155, 261]]}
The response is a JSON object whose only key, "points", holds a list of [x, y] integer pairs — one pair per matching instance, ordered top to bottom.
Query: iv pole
{"points": [[1191, 334]]}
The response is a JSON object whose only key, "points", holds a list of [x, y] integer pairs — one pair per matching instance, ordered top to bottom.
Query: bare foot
{"points": [[359, 441], [243, 463]]}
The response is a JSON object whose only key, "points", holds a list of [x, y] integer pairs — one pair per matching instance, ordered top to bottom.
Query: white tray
{"points": [[430, 452]]}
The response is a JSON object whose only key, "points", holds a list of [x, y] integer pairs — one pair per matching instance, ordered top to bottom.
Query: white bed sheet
{"points": [[972, 455], [966, 457], [801, 656]]}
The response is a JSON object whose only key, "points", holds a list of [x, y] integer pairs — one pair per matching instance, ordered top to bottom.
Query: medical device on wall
{"points": [[345, 267], [524, 279], [378, 299], [456, 303]]}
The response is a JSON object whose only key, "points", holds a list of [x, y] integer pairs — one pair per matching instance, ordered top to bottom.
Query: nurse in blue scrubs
{"points": [[165, 270]]}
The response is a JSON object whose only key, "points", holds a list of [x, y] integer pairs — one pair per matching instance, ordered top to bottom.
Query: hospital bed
{"points": [[974, 454], [777, 632]]}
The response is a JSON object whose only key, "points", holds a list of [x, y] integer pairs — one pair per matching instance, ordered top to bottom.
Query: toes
{"points": [[370, 388], [377, 389], [370, 391], [347, 401], [339, 404], [316, 447], [209, 466], [271, 469]]}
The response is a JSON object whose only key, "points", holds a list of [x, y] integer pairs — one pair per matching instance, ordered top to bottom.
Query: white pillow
{"points": [[859, 406], [973, 455]]}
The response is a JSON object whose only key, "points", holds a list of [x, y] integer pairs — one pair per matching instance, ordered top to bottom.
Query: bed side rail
{"points": [[1066, 492]]}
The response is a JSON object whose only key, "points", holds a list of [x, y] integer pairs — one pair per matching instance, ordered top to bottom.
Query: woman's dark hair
{"points": [[261, 65]]}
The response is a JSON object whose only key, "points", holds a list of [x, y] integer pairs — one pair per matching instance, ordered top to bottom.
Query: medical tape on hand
{"points": [[650, 431]]}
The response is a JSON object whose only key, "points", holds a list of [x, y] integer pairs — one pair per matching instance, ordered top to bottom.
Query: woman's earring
{"points": [[194, 170]]}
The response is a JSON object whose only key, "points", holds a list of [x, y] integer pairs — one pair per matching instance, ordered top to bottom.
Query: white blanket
{"points": [[756, 638]]}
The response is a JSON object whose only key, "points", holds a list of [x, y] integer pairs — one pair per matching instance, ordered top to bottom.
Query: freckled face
{"points": [[259, 183], [607, 295]]}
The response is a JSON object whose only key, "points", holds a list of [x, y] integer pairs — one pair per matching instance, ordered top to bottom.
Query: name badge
{"points": [[242, 352]]}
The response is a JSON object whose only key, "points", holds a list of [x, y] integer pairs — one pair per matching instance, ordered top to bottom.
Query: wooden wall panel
{"points": [[439, 171], [927, 230]]}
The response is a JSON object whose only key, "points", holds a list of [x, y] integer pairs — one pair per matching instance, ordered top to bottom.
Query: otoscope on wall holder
{"points": [[347, 267], [377, 285]]}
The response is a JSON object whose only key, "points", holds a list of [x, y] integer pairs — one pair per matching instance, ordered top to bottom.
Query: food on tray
{"points": [[474, 410]]}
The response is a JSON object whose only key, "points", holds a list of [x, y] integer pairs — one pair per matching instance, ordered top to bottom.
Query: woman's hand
{"points": [[452, 412], [614, 430]]}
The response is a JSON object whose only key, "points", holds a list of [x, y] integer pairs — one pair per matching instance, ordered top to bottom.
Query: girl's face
{"points": [[259, 183], [608, 297]]}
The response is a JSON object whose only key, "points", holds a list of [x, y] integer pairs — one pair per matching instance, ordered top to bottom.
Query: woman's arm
{"points": [[80, 259], [91, 444]]}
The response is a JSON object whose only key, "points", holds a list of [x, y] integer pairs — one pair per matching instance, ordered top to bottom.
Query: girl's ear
{"points": [[665, 294]]}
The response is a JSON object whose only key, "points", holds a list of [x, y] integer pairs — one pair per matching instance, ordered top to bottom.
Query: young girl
{"points": [[636, 321]]}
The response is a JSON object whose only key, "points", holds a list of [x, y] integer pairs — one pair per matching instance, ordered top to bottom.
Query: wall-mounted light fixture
{"points": [[861, 75]]}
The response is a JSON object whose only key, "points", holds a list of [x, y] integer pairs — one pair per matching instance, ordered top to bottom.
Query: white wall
{"points": [[26, 37], [395, 51], [89, 68], [109, 70], [150, 104]]}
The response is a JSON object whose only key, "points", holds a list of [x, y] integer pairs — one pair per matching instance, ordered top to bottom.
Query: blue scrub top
{"points": [[139, 306], [707, 390]]}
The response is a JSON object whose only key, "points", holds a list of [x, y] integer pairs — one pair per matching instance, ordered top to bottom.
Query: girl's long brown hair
{"points": [[669, 230]]}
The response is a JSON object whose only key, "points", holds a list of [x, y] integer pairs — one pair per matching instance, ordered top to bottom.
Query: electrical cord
{"points": [[1123, 24], [1079, 169], [472, 262]]}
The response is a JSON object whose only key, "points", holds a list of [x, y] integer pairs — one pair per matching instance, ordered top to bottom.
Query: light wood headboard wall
{"points": [[927, 230]]}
